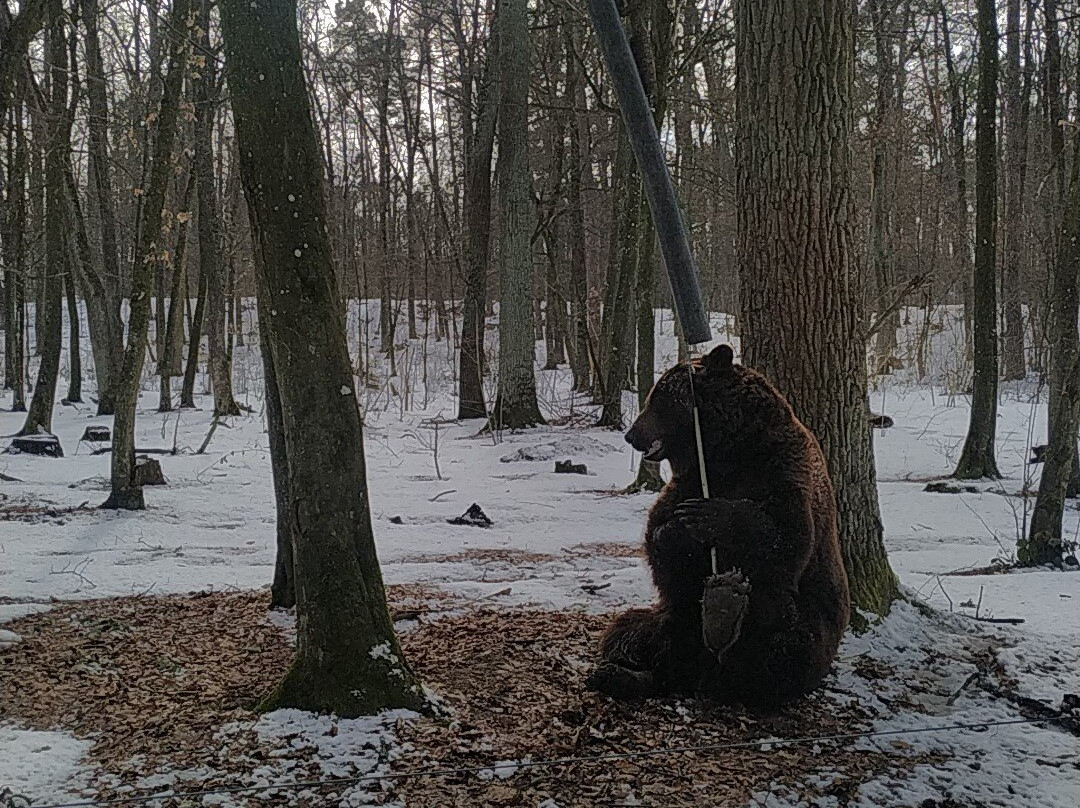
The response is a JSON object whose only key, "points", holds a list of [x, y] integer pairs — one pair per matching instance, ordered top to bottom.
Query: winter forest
{"points": [[543, 403]]}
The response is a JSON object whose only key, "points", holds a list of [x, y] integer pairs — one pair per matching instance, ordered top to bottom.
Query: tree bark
{"points": [[477, 213], [210, 240], [15, 269], [800, 291], [48, 319], [106, 325], [195, 334], [74, 343], [173, 345], [1012, 346], [581, 361], [515, 403], [977, 459], [126, 493], [1044, 543], [348, 660]]}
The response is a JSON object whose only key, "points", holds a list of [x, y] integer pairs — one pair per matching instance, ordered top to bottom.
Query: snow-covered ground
{"points": [[212, 527]]}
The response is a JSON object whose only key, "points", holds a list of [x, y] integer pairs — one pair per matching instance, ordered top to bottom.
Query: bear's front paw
{"points": [[706, 520], [621, 683]]}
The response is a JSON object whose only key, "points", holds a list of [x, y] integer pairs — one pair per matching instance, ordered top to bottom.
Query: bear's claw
{"points": [[723, 607]]}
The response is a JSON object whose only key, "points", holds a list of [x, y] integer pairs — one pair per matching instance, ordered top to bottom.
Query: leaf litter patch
{"points": [[164, 688]]}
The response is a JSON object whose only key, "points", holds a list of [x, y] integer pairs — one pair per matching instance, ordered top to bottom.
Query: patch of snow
{"points": [[44, 767]]}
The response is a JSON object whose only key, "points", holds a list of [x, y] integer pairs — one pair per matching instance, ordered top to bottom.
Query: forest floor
{"points": [[134, 645]]}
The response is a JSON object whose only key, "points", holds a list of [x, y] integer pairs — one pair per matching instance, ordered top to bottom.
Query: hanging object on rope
{"points": [[645, 141]]}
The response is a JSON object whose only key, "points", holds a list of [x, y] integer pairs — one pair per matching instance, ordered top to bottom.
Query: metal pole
{"points": [[645, 141]]}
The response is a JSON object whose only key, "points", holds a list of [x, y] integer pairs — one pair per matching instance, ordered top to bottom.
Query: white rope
{"points": [[701, 458]]}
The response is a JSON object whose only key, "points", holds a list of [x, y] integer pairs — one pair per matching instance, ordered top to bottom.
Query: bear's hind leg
{"points": [[630, 649], [788, 666]]}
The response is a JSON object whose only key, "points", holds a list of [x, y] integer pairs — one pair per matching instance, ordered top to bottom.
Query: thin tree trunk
{"points": [[477, 213], [210, 240], [797, 253], [15, 269], [48, 318], [107, 328], [195, 334], [74, 343], [1012, 346], [581, 362], [169, 364], [977, 459], [126, 492], [283, 588], [348, 660]]}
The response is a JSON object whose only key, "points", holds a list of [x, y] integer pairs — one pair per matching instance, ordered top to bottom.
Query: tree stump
{"points": [[96, 434], [44, 445], [570, 467], [148, 471], [473, 517]]}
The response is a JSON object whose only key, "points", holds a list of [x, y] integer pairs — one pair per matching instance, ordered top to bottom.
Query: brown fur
{"points": [[772, 515]]}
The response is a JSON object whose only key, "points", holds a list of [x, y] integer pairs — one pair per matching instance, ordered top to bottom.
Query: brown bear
{"points": [[771, 517]]}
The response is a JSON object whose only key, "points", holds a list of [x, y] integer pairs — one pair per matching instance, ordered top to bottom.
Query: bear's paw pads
{"points": [[723, 607], [621, 683]]}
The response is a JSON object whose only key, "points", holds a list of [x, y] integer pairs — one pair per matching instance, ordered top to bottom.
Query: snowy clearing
{"points": [[560, 543]]}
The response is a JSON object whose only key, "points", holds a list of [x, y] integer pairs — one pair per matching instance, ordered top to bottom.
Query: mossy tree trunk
{"points": [[801, 295], [515, 403], [977, 459], [126, 493], [348, 660]]}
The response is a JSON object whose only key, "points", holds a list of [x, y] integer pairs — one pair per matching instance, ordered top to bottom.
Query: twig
{"points": [[893, 307], [441, 494]]}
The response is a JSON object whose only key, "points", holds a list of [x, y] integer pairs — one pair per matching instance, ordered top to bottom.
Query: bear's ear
{"points": [[720, 358]]}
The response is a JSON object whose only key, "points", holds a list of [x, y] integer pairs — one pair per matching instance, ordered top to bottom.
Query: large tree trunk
{"points": [[477, 213], [210, 241], [800, 290], [48, 319], [106, 325], [1012, 346], [515, 403], [977, 458], [126, 493], [1043, 544], [348, 660]]}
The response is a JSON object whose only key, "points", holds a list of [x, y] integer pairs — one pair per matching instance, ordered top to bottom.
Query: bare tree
{"points": [[515, 404], [977, 459], [348, 660]]}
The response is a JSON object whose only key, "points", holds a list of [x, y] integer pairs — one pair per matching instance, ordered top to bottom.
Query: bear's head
{"points": [[738, 408]]}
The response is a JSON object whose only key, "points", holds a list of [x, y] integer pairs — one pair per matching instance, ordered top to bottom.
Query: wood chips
{"points": [[151, 679]]}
